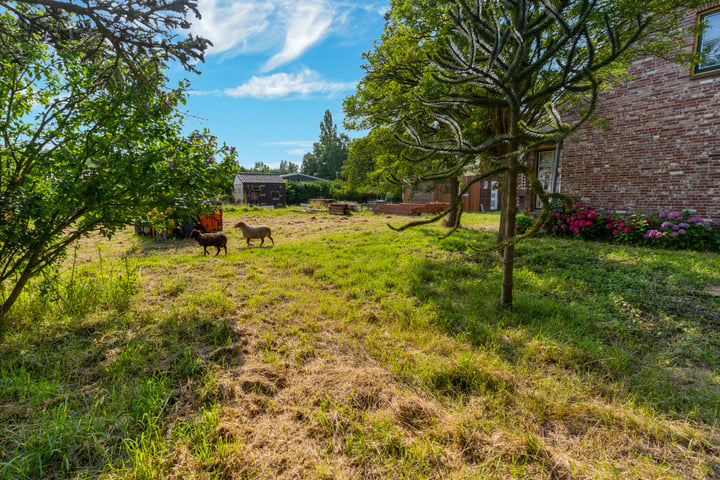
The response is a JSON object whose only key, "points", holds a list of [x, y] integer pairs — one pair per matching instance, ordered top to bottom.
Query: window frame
{"points": [[697, 70], [536, 203]]}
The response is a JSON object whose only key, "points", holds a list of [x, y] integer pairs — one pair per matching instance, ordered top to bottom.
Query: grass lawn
{"points": [[349, 350]]}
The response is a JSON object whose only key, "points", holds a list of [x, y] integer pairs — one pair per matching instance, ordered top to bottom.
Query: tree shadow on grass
{"points": [[634, 322]]}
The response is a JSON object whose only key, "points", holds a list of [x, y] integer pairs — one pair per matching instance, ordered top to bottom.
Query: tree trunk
{"points": [[509, 211], [452, 218], [508, 233], [15, 293]]}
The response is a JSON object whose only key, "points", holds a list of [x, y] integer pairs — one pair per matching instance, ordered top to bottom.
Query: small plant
{"points": [[523, 223]]}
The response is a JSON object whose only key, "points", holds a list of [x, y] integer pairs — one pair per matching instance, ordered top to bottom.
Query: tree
{"points": [[143, 36], [399, 71], [495, 78], [91, 137], [329, 153], [371, 163], [260, 167], [288, 167]]}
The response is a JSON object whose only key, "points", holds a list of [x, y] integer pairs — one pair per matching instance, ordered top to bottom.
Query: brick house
{"points": [[661, 150], [483, 196]]}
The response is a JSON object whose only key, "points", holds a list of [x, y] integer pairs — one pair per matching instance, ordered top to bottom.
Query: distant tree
{"points": [[91, 138], [329, 153], [260, 167], [288, 167]]}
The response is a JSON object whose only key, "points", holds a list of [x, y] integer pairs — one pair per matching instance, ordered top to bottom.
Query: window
{"points": [[708, 42], [548, 173], [254, 194]]}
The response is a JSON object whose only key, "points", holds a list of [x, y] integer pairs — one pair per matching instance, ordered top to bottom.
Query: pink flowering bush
{"points": [[581, 221], [628, 230], [681, 230]]}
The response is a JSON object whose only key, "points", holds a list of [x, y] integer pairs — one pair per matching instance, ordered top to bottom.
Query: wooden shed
{"points": [[260, 190]]}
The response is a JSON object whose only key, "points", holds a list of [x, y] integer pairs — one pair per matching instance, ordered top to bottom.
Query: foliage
{"points": [[144, 36], [400, 72], [478, 85], [86, 147], [329, 153], [373, 164], [261, 167], [288, 167], [302, 192], [581, 221], [523, 223], [628, 230], [675, 230], [678, 230]]}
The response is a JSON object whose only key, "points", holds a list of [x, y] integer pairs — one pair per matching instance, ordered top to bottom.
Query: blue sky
{"points": [[274, 68]]}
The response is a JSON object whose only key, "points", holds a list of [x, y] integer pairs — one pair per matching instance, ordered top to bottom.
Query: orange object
{"points": [[212, 222]]}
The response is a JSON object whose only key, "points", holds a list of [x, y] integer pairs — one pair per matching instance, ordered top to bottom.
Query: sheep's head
{"points": [[240, 225], [195, 234]]}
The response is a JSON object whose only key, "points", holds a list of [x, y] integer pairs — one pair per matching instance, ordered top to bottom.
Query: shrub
{"points": [[580, 221], [522, 223], [679, 230], [628, 231]]}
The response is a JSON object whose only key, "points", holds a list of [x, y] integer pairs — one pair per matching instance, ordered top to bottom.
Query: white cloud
{"points": [[308, 23], [234, 25], [287, 27], [280, 85], [291, 143], [298, 151]]}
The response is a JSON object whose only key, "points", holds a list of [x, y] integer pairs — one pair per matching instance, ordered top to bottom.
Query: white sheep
{"points": [[251, 232], [217, 240]]}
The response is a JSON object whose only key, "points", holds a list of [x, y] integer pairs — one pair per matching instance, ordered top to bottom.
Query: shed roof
{"points": [[249, 177], [300, 177]]}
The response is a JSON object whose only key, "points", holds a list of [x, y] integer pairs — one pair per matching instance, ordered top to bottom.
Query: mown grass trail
{"points": [[352, 351]]}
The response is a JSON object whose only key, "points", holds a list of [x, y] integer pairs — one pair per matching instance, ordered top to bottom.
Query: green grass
{"points": [[352, 350]]}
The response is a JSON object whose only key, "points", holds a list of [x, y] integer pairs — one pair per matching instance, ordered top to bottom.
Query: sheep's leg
{"points": [[262, 240], [273, 241], [248, 242], [225, 247], [218, 250], [205, 252]]}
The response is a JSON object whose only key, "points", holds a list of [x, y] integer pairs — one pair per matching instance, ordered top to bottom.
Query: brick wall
{"points": [[662, 148]]}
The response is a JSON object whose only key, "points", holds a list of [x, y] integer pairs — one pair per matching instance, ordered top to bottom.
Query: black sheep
{"points": [[217, 240]]}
